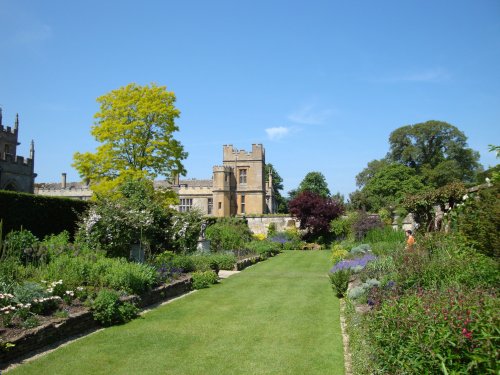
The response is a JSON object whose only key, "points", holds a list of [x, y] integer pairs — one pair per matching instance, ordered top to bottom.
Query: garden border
{"points": [[58, 332]]}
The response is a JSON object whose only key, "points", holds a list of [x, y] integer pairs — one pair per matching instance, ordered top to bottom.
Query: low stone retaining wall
{"points": [[260, 224], [244, 263], [56, 332]]}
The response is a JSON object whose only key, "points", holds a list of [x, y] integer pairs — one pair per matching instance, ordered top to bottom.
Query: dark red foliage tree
{"points": [[315, 212]]}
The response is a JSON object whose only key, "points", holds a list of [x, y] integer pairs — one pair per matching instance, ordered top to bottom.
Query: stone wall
{"points": [[260, 225]]}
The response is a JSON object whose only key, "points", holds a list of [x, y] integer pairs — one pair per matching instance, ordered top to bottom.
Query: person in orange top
{"points": [[410, 241]]}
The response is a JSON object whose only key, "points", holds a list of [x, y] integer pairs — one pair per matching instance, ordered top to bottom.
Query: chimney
{"points": [[63, 180]]}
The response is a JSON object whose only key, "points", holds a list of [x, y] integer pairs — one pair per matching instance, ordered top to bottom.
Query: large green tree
{"points": [[135, 127], [436, 150], [371, 169], [314, 182], [390, 185]]}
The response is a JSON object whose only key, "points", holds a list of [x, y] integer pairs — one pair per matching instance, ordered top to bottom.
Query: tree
{"points": [[135, 127], [434, 147], [373, 167], [314, 182], [390, 185], [281, 202], [315, 212]]}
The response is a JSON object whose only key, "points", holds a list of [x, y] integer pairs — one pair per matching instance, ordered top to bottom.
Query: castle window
{"points": [[7, 149], [243, 176], [185, 204], [242, 204], [220, 205], [210, 206]]}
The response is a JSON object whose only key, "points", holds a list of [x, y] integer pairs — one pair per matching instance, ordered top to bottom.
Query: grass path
{"points": [[277, 317]]}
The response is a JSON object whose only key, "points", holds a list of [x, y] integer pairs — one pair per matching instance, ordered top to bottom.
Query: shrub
{"points": [[315, 212], [39, 214], [478, 219], [364, 223], [340, 227], [228, 234], [385, 234], [259, 236], [17, 243], [265, 249], [360, 249], [338, 253], [444, 260], [225, 261], [184, 263], [204, 263], [380, 268], [74, 270], [130, 277], [203, 279], [340, 281], [28, 291], [108, 310], [433, 331]]}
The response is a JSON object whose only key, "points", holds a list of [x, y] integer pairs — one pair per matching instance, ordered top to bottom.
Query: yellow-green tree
{"points": [[134, 127]]}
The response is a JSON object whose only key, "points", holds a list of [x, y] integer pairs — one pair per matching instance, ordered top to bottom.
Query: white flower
{"points": [[487, 180], [465, 197]]}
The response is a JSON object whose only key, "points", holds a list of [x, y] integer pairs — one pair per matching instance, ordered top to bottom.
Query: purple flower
{"points": [[280, 238], [353, 263], [390, 284]]}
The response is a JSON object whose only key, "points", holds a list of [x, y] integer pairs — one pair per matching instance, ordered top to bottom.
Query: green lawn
{"points": [[277, 317]]}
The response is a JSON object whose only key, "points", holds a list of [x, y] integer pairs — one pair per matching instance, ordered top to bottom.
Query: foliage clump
{"points": [[315, 213], [109, 310]]}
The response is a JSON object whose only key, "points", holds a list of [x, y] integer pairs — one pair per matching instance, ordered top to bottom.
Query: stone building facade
{"points": [[16, 172], [237, 187], [63, 189]]}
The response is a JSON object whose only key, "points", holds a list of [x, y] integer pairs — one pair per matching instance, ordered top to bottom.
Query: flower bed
{"points": [[80, 320]]}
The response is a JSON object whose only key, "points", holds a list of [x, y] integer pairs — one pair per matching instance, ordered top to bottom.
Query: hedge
{"points": [[39, 214]]}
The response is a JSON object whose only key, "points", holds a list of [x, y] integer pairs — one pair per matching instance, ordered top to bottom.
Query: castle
{"points": [[16, 172], [237, 187]]}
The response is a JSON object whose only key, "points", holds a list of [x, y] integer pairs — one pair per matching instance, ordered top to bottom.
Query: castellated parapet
{"points": [[232, 154], [16, 172]]}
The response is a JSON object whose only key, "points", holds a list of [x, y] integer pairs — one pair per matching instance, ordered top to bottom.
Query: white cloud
{"points": [[309, 115], [277, 133]]}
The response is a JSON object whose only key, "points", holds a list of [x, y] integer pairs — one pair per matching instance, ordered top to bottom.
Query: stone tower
{"points": [[16, 172], [239, 185]]}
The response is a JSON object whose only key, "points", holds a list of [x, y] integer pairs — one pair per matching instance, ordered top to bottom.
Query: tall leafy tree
{"points": [[135, 127], [436, 150], [371, 169], [314, 182], [390, 185]]}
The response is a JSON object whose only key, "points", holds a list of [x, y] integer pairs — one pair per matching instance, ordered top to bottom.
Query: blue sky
{"points": [[321, 84]]}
